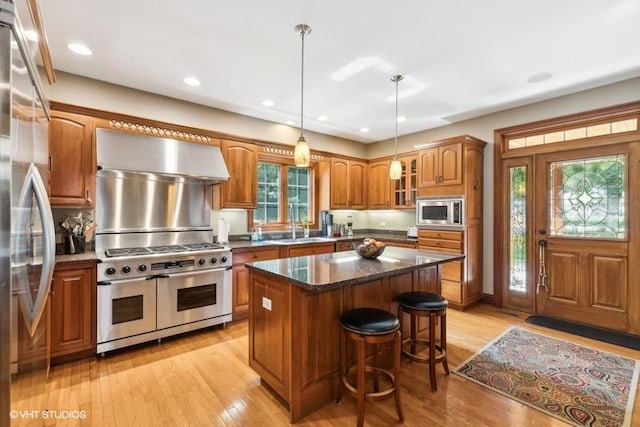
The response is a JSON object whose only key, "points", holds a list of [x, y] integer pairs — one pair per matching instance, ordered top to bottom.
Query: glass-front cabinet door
{"points": [[404, 189]]}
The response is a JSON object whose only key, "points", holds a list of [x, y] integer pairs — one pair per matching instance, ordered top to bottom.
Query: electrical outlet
{"points": [[383, 224], [266, 303]]}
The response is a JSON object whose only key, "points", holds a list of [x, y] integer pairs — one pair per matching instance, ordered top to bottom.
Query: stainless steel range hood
{"points": [[128, 152]]}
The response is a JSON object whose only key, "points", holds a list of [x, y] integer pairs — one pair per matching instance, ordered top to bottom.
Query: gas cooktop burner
{"points": [[164, 249]]}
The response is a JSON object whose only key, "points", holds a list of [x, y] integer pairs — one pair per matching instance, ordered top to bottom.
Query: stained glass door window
{"points": [[587, 198], [518, 228]]}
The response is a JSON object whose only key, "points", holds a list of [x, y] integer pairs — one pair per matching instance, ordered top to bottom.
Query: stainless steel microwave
{"points": [[441, 211]]}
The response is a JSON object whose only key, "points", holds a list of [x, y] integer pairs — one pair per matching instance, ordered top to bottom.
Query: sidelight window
{"points": [[518, 228]]}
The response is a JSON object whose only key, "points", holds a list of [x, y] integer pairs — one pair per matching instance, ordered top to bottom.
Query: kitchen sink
{"points": [[300, 240]]}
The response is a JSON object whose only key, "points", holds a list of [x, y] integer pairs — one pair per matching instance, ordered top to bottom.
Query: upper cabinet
{"points": [[72, 164], [441, 165], [449, 166], [348, 184], [379, 185], [242, 188], [405, 188]]}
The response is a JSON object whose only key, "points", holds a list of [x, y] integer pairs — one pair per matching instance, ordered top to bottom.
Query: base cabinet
{"points": [[240, 277], [73, 311]]}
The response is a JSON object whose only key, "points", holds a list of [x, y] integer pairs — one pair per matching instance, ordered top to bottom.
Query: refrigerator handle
{"points": [[34, 181]]}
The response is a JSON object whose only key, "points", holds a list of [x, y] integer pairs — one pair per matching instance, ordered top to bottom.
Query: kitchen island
{"points": [[295, 307]]}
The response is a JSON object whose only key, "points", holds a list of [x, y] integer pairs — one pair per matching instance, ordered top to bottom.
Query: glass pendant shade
{"points": [[302, 153], [395, 169]]}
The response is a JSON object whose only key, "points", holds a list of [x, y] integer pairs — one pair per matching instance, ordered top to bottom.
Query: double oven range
{"points": [[159, 273], [153, 285]]}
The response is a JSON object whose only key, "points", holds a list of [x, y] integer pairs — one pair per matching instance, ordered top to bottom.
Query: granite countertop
{"points": [[272, 242], [83, 257], [333, 270]]}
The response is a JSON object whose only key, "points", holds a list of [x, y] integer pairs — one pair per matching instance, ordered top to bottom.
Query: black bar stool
{"points": [[425, 304], [370, 326]]}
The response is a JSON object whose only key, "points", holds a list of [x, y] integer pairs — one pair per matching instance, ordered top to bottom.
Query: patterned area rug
{"points": [[579, 385]]}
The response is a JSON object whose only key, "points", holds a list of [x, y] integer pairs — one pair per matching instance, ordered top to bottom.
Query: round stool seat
{"points": [[422, 301], [369, 321]]}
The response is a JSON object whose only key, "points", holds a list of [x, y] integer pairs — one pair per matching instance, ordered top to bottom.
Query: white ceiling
{"points": [[460, 58]]}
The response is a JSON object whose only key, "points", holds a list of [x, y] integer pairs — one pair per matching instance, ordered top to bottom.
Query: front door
{"points": [[581, 233]]}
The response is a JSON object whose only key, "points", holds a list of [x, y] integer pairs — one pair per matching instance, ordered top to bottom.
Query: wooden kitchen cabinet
{"points": [[72, 160], [459, 161], [441, 165], [450, 167], [348, 183], [405, 189], [241, 190], [379, 190], [345, 245], [303, 249], [240, 298], [73, 311]]}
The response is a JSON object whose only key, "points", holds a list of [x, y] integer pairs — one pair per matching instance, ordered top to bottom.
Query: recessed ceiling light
{"points": [[31, 35], [80, 49], [540, 77], [191, 81], [268, 103], [323, 118], [402, 119], [290, 122], [364, 130]]}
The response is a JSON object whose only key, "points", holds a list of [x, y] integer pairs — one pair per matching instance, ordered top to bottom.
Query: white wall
{"points": [[90, 93]]}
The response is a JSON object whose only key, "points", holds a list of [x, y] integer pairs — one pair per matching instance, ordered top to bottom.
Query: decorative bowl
{"points": [[369, 249]]}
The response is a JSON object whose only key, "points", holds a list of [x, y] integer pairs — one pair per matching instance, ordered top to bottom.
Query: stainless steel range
{"points": [[159, 273], [150, 292]]}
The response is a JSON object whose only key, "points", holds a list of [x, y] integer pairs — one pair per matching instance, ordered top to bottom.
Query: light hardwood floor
{"points": [[203, 379]]}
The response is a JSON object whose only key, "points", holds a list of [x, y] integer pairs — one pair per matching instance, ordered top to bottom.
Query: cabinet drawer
{"points": [[440, 234], [399, 244], [441, 244], [345, 245], [303, 250], [244, 256], [452, 271], [451, 291]]}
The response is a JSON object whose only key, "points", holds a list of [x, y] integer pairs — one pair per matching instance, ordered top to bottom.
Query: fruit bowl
{"points": [[369, 248]]}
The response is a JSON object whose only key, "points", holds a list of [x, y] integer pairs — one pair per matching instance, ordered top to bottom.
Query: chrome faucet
{"points": [[292, 218]]}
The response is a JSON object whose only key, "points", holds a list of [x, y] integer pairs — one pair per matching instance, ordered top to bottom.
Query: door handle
{"points": [[542, 267]]}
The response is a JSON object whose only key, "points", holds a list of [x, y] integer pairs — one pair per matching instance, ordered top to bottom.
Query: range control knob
{"points": [[223, 259], [214, 260], [201, 261], [142, 268], [126, 269], [110, 271]]}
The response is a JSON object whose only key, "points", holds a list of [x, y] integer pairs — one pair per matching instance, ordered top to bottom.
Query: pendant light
{"points": [[302, 153], [395, 168]]}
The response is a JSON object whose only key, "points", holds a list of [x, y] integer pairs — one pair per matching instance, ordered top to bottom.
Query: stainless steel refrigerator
{"points": [[27, 240]]}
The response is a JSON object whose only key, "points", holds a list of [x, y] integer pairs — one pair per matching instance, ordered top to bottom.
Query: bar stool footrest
{"points": [[442, 354], [371, 396]]}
